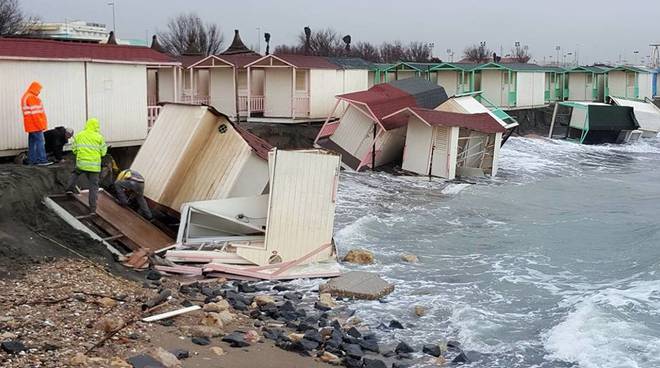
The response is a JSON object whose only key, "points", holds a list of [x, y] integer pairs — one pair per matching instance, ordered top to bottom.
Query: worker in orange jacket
{"points": [[35, 123]]}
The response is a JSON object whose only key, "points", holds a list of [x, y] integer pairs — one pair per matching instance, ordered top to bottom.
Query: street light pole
{"points": [[114, 25]]}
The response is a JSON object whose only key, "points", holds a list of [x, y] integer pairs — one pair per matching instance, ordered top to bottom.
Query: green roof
{"points": [[456, 66], [420, 67], [516, 67], [628, 68], [587, 69]]}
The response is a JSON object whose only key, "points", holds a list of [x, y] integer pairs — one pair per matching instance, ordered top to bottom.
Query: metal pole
{"points": [[114, 25], [373, 151]]}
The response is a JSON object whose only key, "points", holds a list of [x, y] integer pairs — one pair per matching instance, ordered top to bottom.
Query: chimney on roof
{"points": [[111, 38], [155, 45], [237, 46]]}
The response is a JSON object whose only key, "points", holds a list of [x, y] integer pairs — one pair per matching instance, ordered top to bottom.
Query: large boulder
{"points": [[359, 256], [358, 285]]}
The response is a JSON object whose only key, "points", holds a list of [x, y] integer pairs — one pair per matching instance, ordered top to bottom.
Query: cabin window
{"points": [[590, 78], [242, 80], [301, 80]]}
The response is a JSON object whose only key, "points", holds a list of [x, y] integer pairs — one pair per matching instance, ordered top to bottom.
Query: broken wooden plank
{"points": [[127, 222], [113, 237], [188, 270], [170, 314]]}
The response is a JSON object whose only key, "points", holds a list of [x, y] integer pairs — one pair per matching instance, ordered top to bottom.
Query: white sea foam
{"points": [[452, 189]]}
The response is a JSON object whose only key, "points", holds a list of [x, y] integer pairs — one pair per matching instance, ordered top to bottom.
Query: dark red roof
{"points": [[50, 49], [188, 60], [240, 60], [307, 61], [383, 100], [481, 122], [259, 146]]}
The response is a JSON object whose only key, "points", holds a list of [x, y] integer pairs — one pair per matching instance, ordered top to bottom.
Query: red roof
{"points": [[50, 49], [188, 60], [240, 60], [303, 61], [383, 100], [481, 122], [259, 146]]}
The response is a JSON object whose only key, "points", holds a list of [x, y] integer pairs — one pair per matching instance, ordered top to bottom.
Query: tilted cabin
{"points": [[455, 78], [80, 81], [629, 82], [586, 83], [512, 85], [299, 88], [646, 113], [597, 123], [361, 136], [446, 144], [196, 153], [294, 219]]}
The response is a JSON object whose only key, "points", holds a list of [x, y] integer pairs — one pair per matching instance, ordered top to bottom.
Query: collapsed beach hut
{"points": [[455, 78], [629, 82], [586, 83], [515, 85], [646, 113], [596, 123], [361, 136], [446, 144], [196, 153], [271, 229]]}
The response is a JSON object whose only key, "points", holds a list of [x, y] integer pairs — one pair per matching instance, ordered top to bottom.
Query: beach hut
{"points": [[406, 69], [455, 78], [226, 79], [80, 81], [629, 82], [586, 83], [555, 84], [512, 85], [299, 88], [646, 113], [597, 123], [361, 136], [446, 144], [196, 153], [272, 228]]}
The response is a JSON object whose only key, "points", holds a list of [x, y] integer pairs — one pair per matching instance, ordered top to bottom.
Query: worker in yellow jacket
{"points": [[89, 147], [129, 187]]}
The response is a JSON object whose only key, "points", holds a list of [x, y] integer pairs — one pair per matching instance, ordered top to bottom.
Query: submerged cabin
{"points": [[455, 78], [226, 79], [80, 81], [629, 82], [586, 83], [512, 85], [299, 88], [646, 113], [597, 123], [361, 136], [446, 144], [196, 153]]}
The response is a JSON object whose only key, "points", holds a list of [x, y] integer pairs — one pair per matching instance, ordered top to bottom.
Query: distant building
{"points": [[74, 31]]}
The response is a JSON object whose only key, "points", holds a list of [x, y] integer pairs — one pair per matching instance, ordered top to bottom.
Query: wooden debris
{"points": [[170, 314]]}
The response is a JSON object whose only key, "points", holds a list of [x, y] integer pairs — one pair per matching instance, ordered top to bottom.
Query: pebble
{"points": [[359, 256], [420, 311], [395, 324], [236, 339], [201, 341], [12, 347], [403, 348], [431, 349], [217, 350], [180, 354], [330, 358], [168, 359], [373, 363]]}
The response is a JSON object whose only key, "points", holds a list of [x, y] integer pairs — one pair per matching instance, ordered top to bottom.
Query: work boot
{"points": [[47, 163]]}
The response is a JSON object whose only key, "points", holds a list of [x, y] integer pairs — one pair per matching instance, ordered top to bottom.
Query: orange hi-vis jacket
{"points": [[34, 116]]}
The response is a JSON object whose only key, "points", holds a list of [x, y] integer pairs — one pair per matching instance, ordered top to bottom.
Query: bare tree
{"points": [[12, 19], [186, 33], [325, 42], [286, 49], [366, 51], [418, 51], [392, 52], [477, 53], [520, 54]]}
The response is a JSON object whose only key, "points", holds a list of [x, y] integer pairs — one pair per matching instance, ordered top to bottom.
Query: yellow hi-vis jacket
{"points": [[89, 146]]}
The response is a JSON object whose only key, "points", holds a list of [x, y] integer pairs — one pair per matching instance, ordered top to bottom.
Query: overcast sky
{"points": [[597, 30]]}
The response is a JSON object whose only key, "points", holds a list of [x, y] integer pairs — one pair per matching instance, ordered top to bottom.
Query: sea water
{"points": [[553, 263]]}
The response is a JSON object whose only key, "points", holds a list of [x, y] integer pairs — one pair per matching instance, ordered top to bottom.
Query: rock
{"points": [[359, 256], [410, 258], [154, 275], [359, 285], [246, 287], [280, 287], [293, 296], [263, 300], [327, 300], [107, 302], [217, 307], [322, 307], [420, 311], [226, 317], [212, 319], [107, 324], [395, 324], [201, 331], [354, 332], [313, 335], [8, 336], [251, 336], [236, 339], [201, 341], [304, 345], [369, 345], [453, 345], [12, 346], [49, 347], [403, 348], [431, 349], [218, 350], [353, 350], [180, 354], [389, 354], [404, 356], [330, 358], [168, 359], [461, 359], [79, 360], [145, 361], [118, 362], [351, 362], [373, 363], [400, 365]]}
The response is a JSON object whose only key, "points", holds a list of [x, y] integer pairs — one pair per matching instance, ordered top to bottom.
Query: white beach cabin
{"points": [[80, 81], [629, 82], [586, 83], [512, 85]]}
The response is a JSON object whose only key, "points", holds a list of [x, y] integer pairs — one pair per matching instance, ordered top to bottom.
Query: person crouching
{"points": [[130, 186]]}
